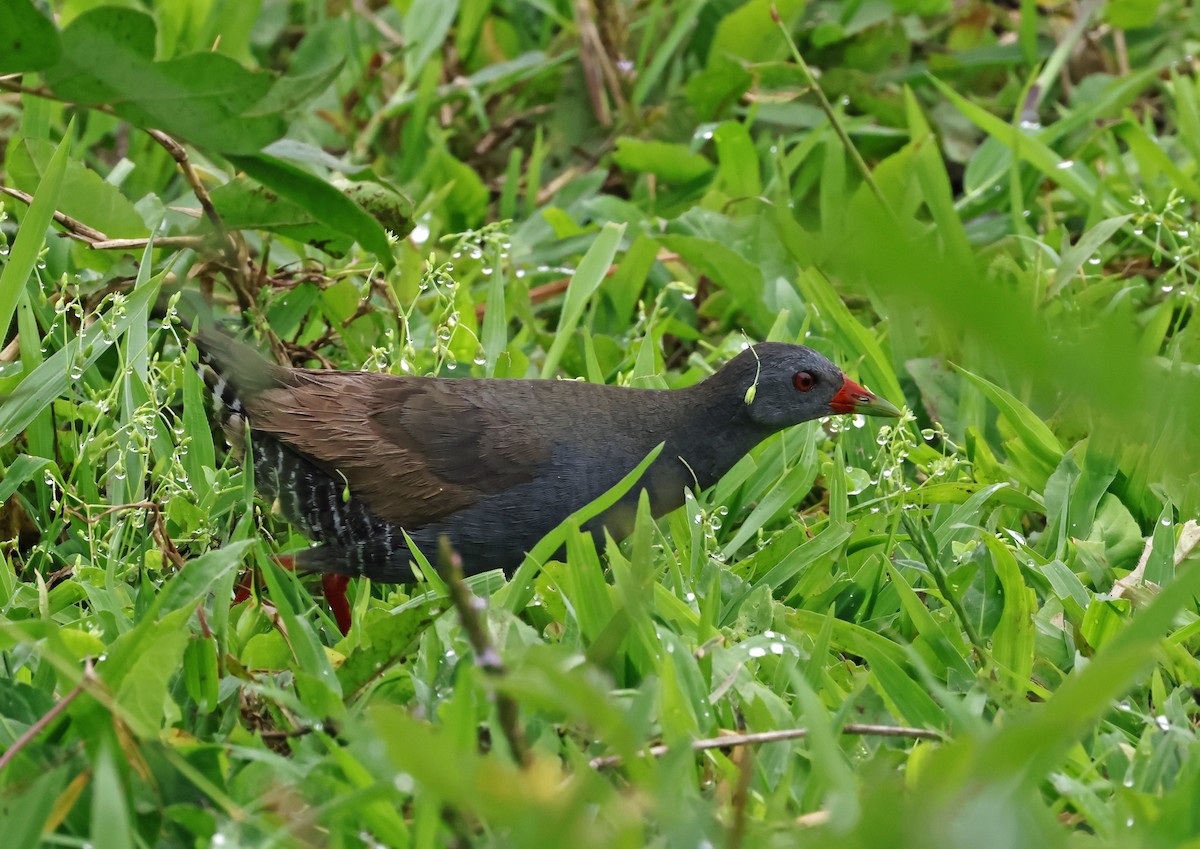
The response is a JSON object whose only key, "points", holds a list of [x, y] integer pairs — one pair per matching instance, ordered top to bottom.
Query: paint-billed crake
{"points": [[355, 458]]}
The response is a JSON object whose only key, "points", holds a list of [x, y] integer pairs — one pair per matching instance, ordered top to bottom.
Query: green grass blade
{"points": [[32, 234], [592, 270]]}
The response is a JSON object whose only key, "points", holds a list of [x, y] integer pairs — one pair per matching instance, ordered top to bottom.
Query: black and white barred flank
{"points": [[315, 500]]}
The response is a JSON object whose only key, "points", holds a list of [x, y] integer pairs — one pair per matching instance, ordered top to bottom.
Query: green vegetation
{"points": [[994, 222]]}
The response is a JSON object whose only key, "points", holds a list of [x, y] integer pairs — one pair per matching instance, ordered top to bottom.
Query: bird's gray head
{"points": [[788, 384]]}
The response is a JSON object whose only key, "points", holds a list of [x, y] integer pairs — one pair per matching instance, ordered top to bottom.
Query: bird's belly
{"points": [[497, 532], [494, 533]]}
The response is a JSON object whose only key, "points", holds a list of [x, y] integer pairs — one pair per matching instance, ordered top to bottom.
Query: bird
{"points": [[356, 460]]}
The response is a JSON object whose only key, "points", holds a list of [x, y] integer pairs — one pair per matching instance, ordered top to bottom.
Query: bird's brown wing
{"points": [[415, 450]]}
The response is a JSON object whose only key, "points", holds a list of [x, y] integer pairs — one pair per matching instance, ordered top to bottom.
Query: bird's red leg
{"points": [[245, 581], [334, 587], [241, 590], [339, 605]]}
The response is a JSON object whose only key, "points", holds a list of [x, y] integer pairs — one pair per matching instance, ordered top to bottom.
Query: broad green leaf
{"points": [[425, 28], [749, 33], [28, 40], [206, 98], [674, 163], [1155, 163], [737, 171], [1079, 181], [85, 196], [321, 200], [246, 205], [21, 470], [190, 585], [386, 641], [1013, 642], [941, 648], [904, 692], [142, 698], [1041, 737], [24, 812], [111, 823]]}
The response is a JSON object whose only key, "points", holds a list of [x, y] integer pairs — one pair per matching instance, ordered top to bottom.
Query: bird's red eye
{"points": [[803, 381]]}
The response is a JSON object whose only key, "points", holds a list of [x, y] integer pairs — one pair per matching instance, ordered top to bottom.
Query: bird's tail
{"points": [[234, 372], [307, 494]]}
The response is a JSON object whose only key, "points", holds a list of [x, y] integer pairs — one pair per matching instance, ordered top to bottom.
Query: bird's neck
{"points": [[713, 431]]}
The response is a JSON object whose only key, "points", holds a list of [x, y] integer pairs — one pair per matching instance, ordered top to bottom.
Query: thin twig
{"points": [[1122, 51], [591, 60], [9, 83], [827, 108], [501, 129], [179, 154], [555, 185], [75, 227], [97, 240], [140, 244], [233, 246], [116, 508], [158, 531], [468, 605], [50, 715], [285, 735], [731, 740], [741, 796], [814, 819]]}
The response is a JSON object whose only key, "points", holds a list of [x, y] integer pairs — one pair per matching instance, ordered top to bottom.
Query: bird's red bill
{"points": [[853, 398]]}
